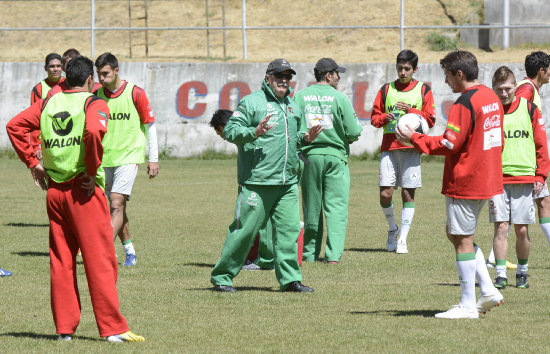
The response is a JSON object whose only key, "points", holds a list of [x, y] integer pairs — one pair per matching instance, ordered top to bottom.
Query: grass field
{"points": [[374, 301]]}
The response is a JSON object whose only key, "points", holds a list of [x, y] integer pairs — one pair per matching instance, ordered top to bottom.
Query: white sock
{"points": [[407, 215], [390, 218], [546, 231], [129, 247], [466, 268], [522, 268], [501, 271], [482, 274]]}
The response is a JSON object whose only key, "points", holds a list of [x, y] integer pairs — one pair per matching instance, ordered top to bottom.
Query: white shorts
{"points": [[400, 168], [120, 179], [544, 192], [515, 205], [462, 215]]}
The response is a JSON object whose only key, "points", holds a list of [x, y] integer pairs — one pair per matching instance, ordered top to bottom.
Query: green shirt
{"points": [[413, 98], [323, 104], [124, 142]]}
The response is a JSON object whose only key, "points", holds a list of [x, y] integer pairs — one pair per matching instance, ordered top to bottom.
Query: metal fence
{"points": [[92, 28]]}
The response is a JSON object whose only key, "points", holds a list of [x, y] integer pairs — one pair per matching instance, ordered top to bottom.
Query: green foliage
{"points": [[439, 42], [373, 301]]}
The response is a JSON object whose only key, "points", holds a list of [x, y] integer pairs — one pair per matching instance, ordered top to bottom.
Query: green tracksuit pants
{"points": [[325, 185], [255, 204], [265, 258]]}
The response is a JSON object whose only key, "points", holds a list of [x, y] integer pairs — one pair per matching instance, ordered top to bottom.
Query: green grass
{"points": [[441, 43], [373, 301]]}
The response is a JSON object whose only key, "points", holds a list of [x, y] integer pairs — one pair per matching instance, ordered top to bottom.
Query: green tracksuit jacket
{"points": [[267, 174], [325, 181]]}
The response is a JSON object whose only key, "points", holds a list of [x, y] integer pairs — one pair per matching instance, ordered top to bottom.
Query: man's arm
{"points": [[526, 91], [36, 93], [379, 117], [148, 119], [352, 126], [19, 128], [239, 129], [539, 136], [452, 139]]}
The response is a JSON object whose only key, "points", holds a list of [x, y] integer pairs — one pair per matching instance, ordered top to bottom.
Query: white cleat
{"points": [[391, 242], [401, 247], [487, 302], [457, 312]]}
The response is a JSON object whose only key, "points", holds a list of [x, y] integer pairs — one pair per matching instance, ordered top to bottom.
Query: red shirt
{"points": [[64, 86], [526, 90], [36, 93], [140, 101], [378, 117], [28, 121], [539, 137], [472, 144]]}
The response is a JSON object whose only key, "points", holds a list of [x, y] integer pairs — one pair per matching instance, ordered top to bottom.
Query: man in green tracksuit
{"points": [[265, 129], [325, 181]]}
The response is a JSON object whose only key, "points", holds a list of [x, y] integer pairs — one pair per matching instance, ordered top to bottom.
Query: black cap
{"points": [[327, 65], [278, 66]]}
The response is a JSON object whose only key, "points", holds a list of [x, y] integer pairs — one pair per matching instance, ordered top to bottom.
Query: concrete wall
{"points": [[522, 12], [184, 96]]}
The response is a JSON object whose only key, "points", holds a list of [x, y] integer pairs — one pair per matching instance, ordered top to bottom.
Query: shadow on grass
{"points": [[22, 224], [366, 250], [32, 254], [200, 265], [453, 284], [243, 289], [397, 313], [43, 336]]}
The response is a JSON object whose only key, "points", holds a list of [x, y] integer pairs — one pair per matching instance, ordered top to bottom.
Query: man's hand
{"points": [[402, 106], [389, 117], [263, 128], [313, 133], [404, 135], [38, 154], [152, 169], [39, 176], [88, 183], [537, 187]]}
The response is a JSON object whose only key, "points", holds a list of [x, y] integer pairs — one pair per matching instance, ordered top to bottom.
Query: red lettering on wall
{"points": [[359, 90], [225, 94], [182, 99]]}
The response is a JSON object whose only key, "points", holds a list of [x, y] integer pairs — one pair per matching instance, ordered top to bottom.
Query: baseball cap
{"points": [[328, 64], [278, 66]]}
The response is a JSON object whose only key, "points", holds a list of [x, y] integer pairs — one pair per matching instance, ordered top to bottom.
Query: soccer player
{"points": [[65, 59], [537, 68], [39, 91], [130, 122], [72, 125], [265, 128], [472, 146], [400, 164], [525, 167], [325, 180], [4, 273]]}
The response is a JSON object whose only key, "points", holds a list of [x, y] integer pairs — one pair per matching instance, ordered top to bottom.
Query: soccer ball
{"points": [[416, 122]]}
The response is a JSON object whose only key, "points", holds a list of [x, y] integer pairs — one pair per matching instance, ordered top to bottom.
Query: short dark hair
{"points": [[69, 53], [52, 56], [407, 56], [106, 59], [461, 60], [536, 61], [78, 70], [502, 74], [320, 75], [220, 118]]}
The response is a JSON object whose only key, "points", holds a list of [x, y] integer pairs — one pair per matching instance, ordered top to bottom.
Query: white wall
{"points": [[184, 136]]}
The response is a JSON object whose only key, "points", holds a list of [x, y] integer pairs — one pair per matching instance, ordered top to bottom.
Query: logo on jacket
{"points": [[62, 124]]}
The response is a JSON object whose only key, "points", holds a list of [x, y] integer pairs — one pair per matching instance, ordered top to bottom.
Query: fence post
{"points": [[506, 22], [402, 25], [92, 33], [245, 51]]}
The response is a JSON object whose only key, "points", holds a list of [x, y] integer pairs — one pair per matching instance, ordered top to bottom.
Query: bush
{"points": [[439, 42]]}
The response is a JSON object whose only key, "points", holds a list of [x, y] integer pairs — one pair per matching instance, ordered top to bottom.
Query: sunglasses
{"points": [[283, 76]]}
